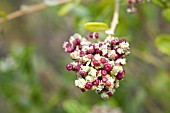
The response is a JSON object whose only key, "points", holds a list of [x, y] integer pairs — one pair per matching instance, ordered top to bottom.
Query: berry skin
{"points": [[91, 35], [96, 35], [122, 40], [113, 42], [70, 49], [98, 52], [103, 60], [96, 63], [69, 67], [107, 67], [77, 68], [103, 72], [82, 73], [120, 75], [104, 79], [96, 82], [108, 83], [88, 85], [83, 90], [109, 94]]}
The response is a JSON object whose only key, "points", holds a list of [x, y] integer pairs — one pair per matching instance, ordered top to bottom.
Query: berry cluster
{"points": [[132, 3], [99, 66]]}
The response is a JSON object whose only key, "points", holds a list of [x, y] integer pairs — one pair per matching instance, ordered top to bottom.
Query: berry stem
{"points": [[115, 20]]}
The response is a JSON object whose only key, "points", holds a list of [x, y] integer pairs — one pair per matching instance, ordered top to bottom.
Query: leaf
{"points": [[159, 3], [66, 8], [3, 14], [166, 14], [96, 26], [163, 43], [72, 106]]}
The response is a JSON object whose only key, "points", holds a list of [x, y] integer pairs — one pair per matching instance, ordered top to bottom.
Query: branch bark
{"points": [[31, 9]]}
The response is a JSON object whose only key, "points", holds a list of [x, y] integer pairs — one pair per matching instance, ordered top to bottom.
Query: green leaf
{"points": [[159, 3], [66, 8], [3, 14], [166, 14], [96, 26], [163, 43], [72, 106]]}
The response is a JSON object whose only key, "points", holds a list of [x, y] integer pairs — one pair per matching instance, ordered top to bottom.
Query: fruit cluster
{"points": [[99, 66]]}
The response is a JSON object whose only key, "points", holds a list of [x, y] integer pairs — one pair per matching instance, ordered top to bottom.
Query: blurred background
{"points": [[33, 78]]}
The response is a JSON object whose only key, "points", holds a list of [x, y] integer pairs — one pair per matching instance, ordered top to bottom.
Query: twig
{"points": [[31, 9], [115, 20]]}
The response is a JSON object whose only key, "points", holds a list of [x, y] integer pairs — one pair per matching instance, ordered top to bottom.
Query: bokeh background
{"points": [[33, 78]]}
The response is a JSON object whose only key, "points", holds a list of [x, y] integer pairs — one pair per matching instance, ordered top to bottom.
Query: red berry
{"points": [[91, 35], [96, 35], [122, 40], [113, 42], [100, 44], [70, 49], [90, 51], [98, 51], [82, 54], [90, 56], [103, 60], [96, 63], [69, 67], [107, 67], [77, 68], [103, 72], [82, 73], [120, 75], [104, 79], [96, 82], [108, 83], [88, 85], [83, 90], [109, 94]]}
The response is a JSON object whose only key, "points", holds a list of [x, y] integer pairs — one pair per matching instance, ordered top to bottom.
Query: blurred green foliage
{"points": [[33, 78]]}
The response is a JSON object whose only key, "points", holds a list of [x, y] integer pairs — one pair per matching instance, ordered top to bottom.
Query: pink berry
{"points": [[91, 35], [96, 35], [122, 40], [113, 42], [100, 44], [70, 49], [98, 52], [82, 54], [90, 56], [103, 60], [96, 63], [69, 67], [107, 67], [77, 68], [103, 72], [82, 73], [120, 75], [104, 79], [96, 82], [108, 83], [88, 85], [83, 90], [109, 94]]}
